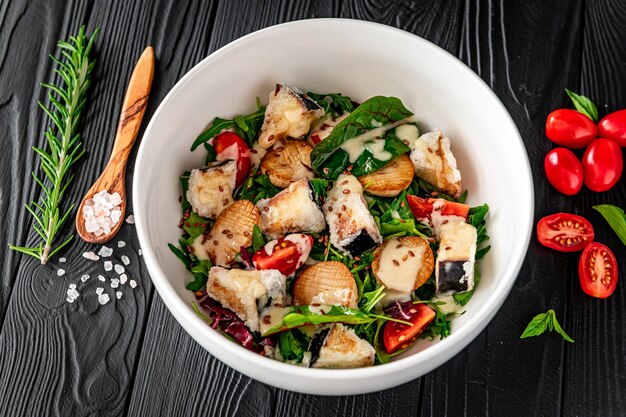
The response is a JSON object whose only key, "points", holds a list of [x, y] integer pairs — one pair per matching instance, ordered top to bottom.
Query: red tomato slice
{"points": [[613, 126], [569, 128], [228, 145], [602, 164], [564, 171], [422, 208], [565, 232], [288, 254], [597, 270], [398, 336]]}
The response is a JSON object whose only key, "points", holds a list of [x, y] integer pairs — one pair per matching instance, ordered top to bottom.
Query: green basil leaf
{"points": [[583, 105], [217, 126], [211, 154], [329, 160], [615, 217], [258, 241], [537, 325], [559, 330]]}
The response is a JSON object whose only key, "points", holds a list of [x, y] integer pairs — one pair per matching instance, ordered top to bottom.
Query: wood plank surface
{"points": [[131, 357]]}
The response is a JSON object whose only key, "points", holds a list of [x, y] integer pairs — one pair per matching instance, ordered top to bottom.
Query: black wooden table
{"points": [[130, 357]]}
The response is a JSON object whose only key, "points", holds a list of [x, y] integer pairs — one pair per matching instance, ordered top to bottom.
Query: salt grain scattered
{"points": [[102, 212], [130, 219], [121, 244], [105, 252], [140, 252], [91, 256], [62, 259], [125, 259], [108, 265], [119, 269], [60, 272], [84, 278], [101, 278], [123, 279], [115, 283], [133, 283], [72, 286], [99, 290], [72, 294], [118, 294], [103, 299]]}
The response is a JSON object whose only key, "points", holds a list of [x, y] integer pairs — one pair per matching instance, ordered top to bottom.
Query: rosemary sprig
{"points": [[66, 102]]}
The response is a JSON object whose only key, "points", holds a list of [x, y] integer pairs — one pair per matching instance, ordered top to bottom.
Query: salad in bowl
{"points": [[327, 233]]}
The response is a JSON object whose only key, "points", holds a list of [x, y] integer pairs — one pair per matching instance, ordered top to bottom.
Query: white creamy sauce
{"points": [[376, 123], [408, 134], [372, 141], [256, 154], [437, 219], [302, 241], [398, 270], [340, 296], [450, 306], [270, 317]]}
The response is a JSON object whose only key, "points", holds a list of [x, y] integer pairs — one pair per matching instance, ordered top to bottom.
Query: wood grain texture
{"points": [[506, 43], [594, 374]]}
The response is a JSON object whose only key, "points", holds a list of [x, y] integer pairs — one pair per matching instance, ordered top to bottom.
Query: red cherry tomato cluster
{"points": [[602, 162], [597, 266]]}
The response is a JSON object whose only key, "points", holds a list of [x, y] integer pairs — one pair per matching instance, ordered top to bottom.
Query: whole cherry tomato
{"points": [[613, 126], [570, 128], [230, 146], [602, 164], [564, 171], [597, 270]]}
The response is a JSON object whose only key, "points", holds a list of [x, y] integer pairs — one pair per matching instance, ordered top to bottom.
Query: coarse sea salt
{"points": [[102, 212], [130, 219], [121, 244], [105, 251], [140, 252], [91, 256], [62, 260], [125, 260], [108, 265], [119, 269], [60, 272], [84, 278], [101, 278], [123, 279], [115, 283], [133, 283], [99, 290], [72, 294], [118, 294], [103, 299]]}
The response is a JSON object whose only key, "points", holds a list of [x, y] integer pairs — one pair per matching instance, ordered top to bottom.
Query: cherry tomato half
{"points": [[613, 126], [569, 128], [230, 146], [602, 164], [564, 171], [422, 208], [565, 232], [287, 254], [597, 270], [398, 336]]}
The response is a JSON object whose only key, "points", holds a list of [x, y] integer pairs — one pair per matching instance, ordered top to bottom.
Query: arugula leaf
{"points": [[334, 102], [583, 105], [246, 126], [211, 154], [329, 160], [320, 186], [257, 187], [616, 218], [258, 241], [180, 254], [201, 275], [463, 297], [369, 299], [297, 316], [542, 322], [440, 325], [292, 345], [381, 353]]}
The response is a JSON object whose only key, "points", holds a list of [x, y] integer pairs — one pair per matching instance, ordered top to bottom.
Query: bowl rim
{"points": [[428, 357]]}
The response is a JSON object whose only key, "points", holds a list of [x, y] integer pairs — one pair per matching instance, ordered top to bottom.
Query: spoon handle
{"points": [[134, 107]]}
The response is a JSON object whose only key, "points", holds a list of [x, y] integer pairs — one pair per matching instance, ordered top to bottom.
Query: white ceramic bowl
{"points": [[359, 59]]}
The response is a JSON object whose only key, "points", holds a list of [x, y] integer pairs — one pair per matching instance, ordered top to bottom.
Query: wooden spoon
{"points": [[113, 176]]}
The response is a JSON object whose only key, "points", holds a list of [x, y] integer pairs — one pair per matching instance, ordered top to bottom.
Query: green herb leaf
{"points": [[333, 102], [583, 105], [246, 126], [216, 127], [211, 154], [328, 154], [257, 187], [616, 218], [258, 241], [201, 274], [369, 299], [297, 316], [541, 322], [292, 345]]}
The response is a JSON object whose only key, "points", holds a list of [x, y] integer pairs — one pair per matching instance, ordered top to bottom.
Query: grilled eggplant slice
{"points": [[290, 113], [433, 161], [288, 163], [390, 180], [211, 189], [292, 210], [352, 226], [231, 231], [456, 257], [403, 264], [328, 283], [341, 349]]}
